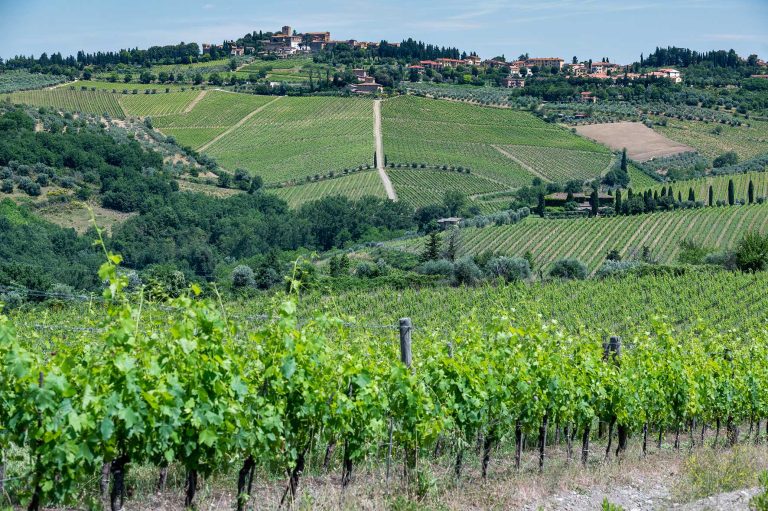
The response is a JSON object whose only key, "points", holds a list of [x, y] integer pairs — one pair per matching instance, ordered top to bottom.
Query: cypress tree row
{"points": [[731, 193]]}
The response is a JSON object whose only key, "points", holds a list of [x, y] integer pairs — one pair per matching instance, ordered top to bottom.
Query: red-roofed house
{"points": [[431, 64], [513, 83], [367, 88]]}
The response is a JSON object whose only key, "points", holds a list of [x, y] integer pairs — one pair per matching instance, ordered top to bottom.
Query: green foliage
{"points": [[729, 158], [692, 252], [752, 252], [509, 269], [568, 269], [760, 501], [608, 506]]}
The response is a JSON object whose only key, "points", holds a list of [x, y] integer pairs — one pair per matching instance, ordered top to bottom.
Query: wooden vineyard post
{"points": [[405, 341], [612, 353], [406, 358]]}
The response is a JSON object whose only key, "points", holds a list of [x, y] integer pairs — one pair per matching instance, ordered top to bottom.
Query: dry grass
{"points": [[75, 215], [664, 477]]}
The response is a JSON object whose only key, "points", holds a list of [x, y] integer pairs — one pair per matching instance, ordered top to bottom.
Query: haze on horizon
{"points": [[620, 30]]}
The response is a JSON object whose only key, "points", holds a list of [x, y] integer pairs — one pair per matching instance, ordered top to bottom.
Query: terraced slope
{"points": [[436, 132], [589, 239]]}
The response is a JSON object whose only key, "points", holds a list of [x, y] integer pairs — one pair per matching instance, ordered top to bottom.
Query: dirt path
{"points": [[63, 84], [195, 101], [239, 123], [380, 151], [524, 165]]}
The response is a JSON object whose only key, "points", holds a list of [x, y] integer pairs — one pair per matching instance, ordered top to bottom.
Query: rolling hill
{"points": [[590, 239]]}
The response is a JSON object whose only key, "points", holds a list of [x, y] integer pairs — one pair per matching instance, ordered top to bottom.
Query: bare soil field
{"points": [[642, 142]]}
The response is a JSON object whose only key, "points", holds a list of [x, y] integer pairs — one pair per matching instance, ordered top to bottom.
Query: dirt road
{"points": [[380, 151]]}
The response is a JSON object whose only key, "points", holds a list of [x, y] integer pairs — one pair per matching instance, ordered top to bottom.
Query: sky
{"points": [[617, 29]]}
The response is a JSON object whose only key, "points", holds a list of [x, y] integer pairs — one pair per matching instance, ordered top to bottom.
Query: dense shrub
{"points": [[752, 252], [726, 259], [441, 267], [508, 268], [615, 268], [569, 269], [466, 272], [242, 276]]}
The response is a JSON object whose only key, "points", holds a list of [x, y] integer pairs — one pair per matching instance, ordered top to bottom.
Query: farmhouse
{"points": [[237, 51], [473, 60], [451, 62], [545, 62], [431, 64], [603, 67], [577, 69], [361, 74], [672, 74], [759, 76], [513, 83], [367, 88], [587, 97], [582, 200], [445, 223]]}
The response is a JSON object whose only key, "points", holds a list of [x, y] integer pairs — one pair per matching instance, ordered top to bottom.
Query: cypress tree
{"points": [[624, 160], [663, 191], [751, 192], [731, 193], [630, 194], [656, 195], [691, 195], [679, 196], [711, 196], [595, 202], [617, 203], [541, 207], [432, 250]]}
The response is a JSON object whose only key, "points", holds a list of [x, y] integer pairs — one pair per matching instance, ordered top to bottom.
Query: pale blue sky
{"points": [[619, 29]]}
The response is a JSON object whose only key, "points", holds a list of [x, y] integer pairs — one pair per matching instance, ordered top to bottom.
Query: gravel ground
{"points": [[648, 498]]}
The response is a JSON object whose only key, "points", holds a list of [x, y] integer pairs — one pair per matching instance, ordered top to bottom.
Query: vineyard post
{"points": [[405, 341], [612, 352], [406, 358]]}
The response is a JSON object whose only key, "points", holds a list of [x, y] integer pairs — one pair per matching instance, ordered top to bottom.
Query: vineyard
{"points": [[98, 102], [154, 105], [214, 113], [434, 132], [297, 138], [713, 139], [560, 165], [639, 180], [353, 186], [421, 187], [720, 187], [590, 239], [193, 387]]}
